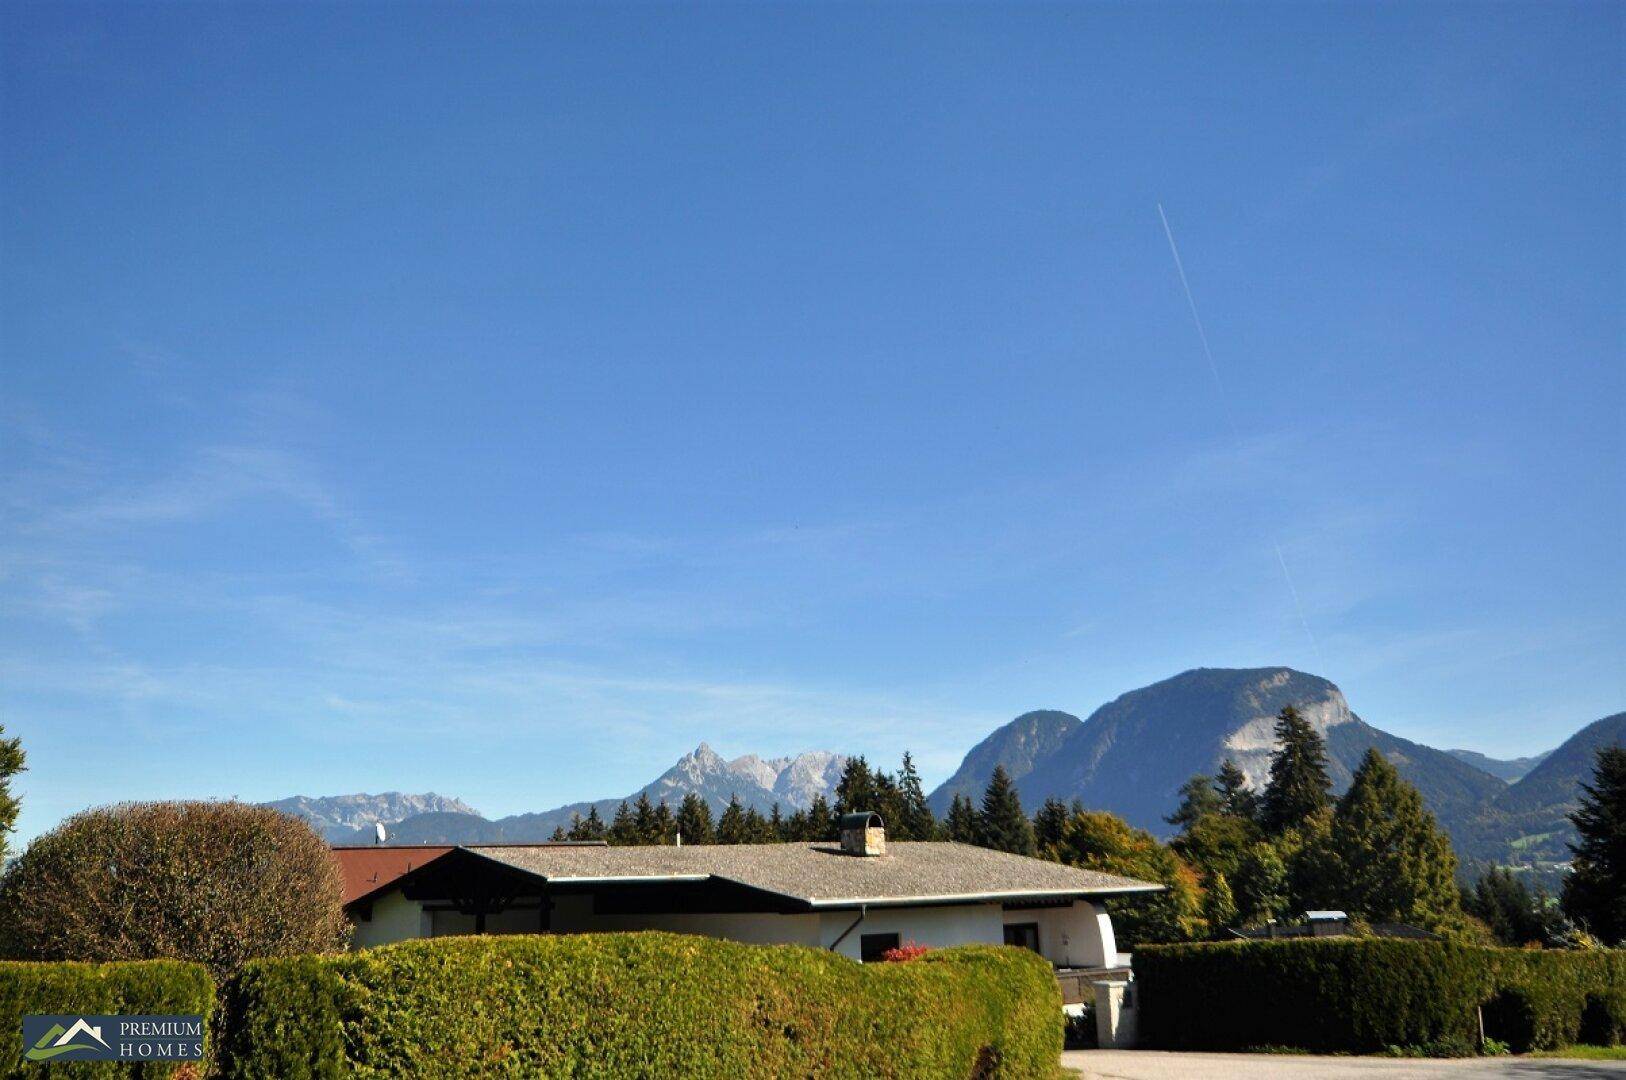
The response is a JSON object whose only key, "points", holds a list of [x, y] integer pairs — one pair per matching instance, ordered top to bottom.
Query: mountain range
{"points": [[1130, 756], [792, 782]]}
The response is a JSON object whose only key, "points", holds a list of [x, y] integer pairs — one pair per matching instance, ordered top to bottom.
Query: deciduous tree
{"points": [[12, 762], [1105, 842], [215, 882]]}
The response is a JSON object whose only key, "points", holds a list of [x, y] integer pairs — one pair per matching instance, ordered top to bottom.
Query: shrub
{"points": [[214, 882], [909, 950], [153, 987], [1362, 995], [647, 1004]]}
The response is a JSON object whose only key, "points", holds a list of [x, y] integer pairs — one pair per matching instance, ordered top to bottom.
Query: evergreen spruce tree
{"points": [[11, 763], [1232, 785], [1298, 785], [856, 790], [1198, 800], [915, 818], [694, 820], [643, 821], [821, 821], [665, 823], [1048, 823], [776, 825], [962, 825], [1003, 825], [796, 826], [592, 827], [732, 827], [756, 827], [623, 830], [559, 831], [1389, 861], [1595, 891], [1517, 915]]}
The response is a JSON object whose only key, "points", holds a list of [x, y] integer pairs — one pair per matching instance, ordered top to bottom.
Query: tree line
{"points": [[1240, 858]]}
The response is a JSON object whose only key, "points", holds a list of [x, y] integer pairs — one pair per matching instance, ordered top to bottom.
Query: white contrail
{"points": [[1230, 422]]}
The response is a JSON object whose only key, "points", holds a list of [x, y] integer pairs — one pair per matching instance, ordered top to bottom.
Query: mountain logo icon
{"points": [[59, 1040]]}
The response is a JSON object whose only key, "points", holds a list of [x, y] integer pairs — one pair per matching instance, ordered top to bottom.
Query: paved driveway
{"points": [[1157, 1065]]}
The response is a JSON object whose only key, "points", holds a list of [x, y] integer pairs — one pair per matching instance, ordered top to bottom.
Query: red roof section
{"points": [[368, 869]]}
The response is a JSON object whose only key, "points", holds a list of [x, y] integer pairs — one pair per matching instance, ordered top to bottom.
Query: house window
{"points": [[1024, 935], [872, 946]]}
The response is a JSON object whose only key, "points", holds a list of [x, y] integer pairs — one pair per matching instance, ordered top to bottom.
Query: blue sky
{"points": [[501, 400]]}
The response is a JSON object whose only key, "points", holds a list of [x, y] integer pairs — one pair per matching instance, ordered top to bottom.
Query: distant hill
{"points": [[1020, 746], [1132, 754], [1509, 769], [792, 782], [339, 817], [1528, 823]]}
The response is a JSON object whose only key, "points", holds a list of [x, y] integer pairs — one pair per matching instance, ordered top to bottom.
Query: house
{"points": [[858, 897], [1323, 924]]}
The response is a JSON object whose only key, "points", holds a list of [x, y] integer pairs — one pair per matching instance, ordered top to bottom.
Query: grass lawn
{"points": [[1590, 1053]]}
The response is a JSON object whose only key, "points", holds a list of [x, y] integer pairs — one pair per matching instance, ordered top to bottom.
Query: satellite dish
{"points": [[378, 828]]}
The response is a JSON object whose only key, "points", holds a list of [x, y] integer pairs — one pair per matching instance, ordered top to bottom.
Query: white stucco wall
{"points": [[394, 918], [934, 927], [1076, 936]]}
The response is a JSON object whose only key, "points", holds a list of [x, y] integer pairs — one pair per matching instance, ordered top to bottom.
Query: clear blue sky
{"points": [[500, 400]]}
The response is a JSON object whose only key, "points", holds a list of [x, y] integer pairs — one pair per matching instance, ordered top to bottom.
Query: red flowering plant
{"points": [[909, 950]]}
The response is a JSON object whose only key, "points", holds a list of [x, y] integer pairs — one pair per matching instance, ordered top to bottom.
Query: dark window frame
{"points": [[1024, 926], [871, 949]]}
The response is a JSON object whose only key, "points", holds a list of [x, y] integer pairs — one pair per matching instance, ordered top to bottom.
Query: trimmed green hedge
{"points": [[137, 987], [1364, 994], [647, 1004]]}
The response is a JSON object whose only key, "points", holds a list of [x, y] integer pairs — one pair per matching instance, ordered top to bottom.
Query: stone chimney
{"points": [[863, 833]]}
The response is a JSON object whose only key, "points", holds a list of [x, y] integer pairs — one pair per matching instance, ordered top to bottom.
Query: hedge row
{"points": [[142, 987], [1361, 994], [648, 1004]]}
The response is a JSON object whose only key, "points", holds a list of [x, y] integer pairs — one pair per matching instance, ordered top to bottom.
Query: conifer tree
{"points": [[12, 761], [1232, 785], [1298, 786], [856, 790], [1198, 800], [915, 818], [694, 820], [643, 821], [821, 821], [665, 823], [1048, 823], [776, 825], [1003, 825], [963, 826], [590, 827], [732, 827], [623, 830], [559, 831], [1389, 860], [1595, 891], [1517, 915]]}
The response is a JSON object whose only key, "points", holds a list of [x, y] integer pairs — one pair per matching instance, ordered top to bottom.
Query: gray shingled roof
{"points": [[822, 875]]}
